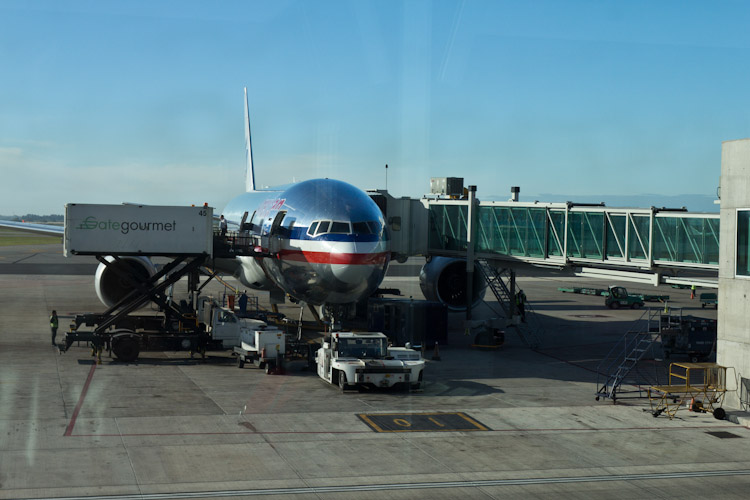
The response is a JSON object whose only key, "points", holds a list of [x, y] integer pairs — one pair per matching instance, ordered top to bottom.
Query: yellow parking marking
{"points": [[421, 422]]}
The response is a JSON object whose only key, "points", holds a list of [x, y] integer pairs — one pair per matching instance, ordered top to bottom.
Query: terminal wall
{"points": [[733, 348]]}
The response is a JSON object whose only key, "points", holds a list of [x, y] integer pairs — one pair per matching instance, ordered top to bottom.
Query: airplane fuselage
{"points": [[327, 240]]}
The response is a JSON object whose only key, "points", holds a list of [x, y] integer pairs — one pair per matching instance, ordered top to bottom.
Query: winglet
{"points": [[250, 171]]}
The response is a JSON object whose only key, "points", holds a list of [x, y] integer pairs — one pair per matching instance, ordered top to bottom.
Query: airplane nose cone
{"points": [[353, 274]]}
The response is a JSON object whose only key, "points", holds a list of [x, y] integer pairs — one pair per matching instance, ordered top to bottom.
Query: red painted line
{"points": [[72, 423], [369, 431], [238, 433]]}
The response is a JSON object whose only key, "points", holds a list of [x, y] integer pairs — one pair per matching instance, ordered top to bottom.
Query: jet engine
{"points": [[251, 274], [443, 279], [110, 287]]}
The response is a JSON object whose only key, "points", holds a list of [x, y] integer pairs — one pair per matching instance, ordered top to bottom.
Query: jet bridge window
{"points": [[743, 242]]}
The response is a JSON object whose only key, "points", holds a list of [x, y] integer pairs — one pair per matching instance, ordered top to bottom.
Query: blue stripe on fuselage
{"points": [[300, 233]]}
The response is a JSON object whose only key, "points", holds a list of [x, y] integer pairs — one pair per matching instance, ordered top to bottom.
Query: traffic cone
{"points": [[436, 353], [692, 402]]}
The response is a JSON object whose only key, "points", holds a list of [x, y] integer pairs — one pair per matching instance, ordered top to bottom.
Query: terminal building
{"points": [[733, 346]]}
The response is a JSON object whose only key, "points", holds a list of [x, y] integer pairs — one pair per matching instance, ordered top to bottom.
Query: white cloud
{"points": [[10, 153], [34, 186]]}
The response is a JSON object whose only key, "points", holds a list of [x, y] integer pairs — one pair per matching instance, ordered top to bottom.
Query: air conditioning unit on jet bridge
{"points": [[448, 186]]}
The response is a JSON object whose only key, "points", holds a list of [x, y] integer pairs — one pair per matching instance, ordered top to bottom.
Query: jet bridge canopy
{"points": [[137, 230], [568, 234]]}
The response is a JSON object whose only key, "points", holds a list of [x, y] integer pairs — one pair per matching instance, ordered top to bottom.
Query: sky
{"points": [[142, 101]]}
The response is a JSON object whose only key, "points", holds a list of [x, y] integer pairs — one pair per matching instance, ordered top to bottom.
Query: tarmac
{"points": [[489, 424]]}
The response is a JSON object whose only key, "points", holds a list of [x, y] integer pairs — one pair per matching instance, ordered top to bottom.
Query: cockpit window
{"points": [[375, 226], [369, 227], [340, 228], [361, 228]]}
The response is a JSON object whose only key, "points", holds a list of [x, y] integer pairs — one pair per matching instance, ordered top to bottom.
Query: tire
{"points": [[126, 348], [240, 361], [269, 368], [342, 380], [418, 384], [720, 414]]}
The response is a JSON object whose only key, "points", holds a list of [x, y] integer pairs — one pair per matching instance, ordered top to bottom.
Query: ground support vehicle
{"points": [[123, 238], [618, 297], [609, 299], [709, 299], [173, 327], [128, 336], [687, 336], [264, 348], [363, 359]]}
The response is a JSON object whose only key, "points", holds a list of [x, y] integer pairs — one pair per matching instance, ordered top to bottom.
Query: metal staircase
{"points": [[494, 278], [530, 331], [625, 355]]}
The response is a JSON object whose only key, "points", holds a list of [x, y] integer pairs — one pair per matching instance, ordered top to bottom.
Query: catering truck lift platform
{"points": [[123, 238]]}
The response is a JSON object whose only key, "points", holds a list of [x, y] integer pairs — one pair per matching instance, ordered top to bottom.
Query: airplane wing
{"points": [[34, 228]]}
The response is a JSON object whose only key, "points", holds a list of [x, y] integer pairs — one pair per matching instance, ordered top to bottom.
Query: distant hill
{"points": [[693, 202], [34, 218]]}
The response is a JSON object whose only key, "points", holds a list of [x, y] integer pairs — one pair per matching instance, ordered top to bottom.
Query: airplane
{"points": [[324, 243]]}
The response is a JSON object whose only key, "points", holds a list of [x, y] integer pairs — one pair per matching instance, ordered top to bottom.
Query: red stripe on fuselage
{"points": [[357, 259]]}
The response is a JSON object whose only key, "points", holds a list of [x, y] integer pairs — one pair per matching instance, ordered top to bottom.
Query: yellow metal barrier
{"points": [[699, 386]]}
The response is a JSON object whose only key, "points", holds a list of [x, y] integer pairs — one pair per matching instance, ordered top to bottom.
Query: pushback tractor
{"points": [[363, 359]]}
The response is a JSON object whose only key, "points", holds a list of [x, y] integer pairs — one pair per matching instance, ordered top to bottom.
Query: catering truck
{"points": [[211, 328], [363, 359]]}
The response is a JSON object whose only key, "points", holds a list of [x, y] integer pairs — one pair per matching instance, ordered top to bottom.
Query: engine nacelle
{"points": [[251, 274], [443, 279], [110, 287]]}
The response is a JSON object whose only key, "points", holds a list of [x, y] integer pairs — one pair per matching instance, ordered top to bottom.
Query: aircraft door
{"points": [[275, 234]]}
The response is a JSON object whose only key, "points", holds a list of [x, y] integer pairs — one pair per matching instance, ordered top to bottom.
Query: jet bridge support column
{"points": [[470, 231]]}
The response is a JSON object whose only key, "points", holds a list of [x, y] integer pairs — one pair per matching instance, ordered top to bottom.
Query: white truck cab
{"points": [[363, 359]]}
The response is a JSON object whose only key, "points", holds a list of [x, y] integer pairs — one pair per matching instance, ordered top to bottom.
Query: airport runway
{"points": [[489, 424]]}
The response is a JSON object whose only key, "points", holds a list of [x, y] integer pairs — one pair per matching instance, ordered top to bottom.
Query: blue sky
{"points": [[110, 101]]}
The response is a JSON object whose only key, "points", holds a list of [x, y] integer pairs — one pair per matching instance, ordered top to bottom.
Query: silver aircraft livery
{"points": [[326, 239]]}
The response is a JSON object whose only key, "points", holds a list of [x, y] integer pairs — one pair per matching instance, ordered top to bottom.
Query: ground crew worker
{"points": [[223, 225], [692, 291], [243, 303], [521, 304], [53, 323]]}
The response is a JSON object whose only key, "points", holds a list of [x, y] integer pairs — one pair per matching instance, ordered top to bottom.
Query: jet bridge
{"points": [[634, 242]]}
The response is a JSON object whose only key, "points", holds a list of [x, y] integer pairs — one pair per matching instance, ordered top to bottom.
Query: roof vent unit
{"points": [[448, 186]]}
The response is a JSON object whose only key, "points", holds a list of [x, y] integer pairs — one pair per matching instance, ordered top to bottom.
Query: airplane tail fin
{"points": [[250, 171]]}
